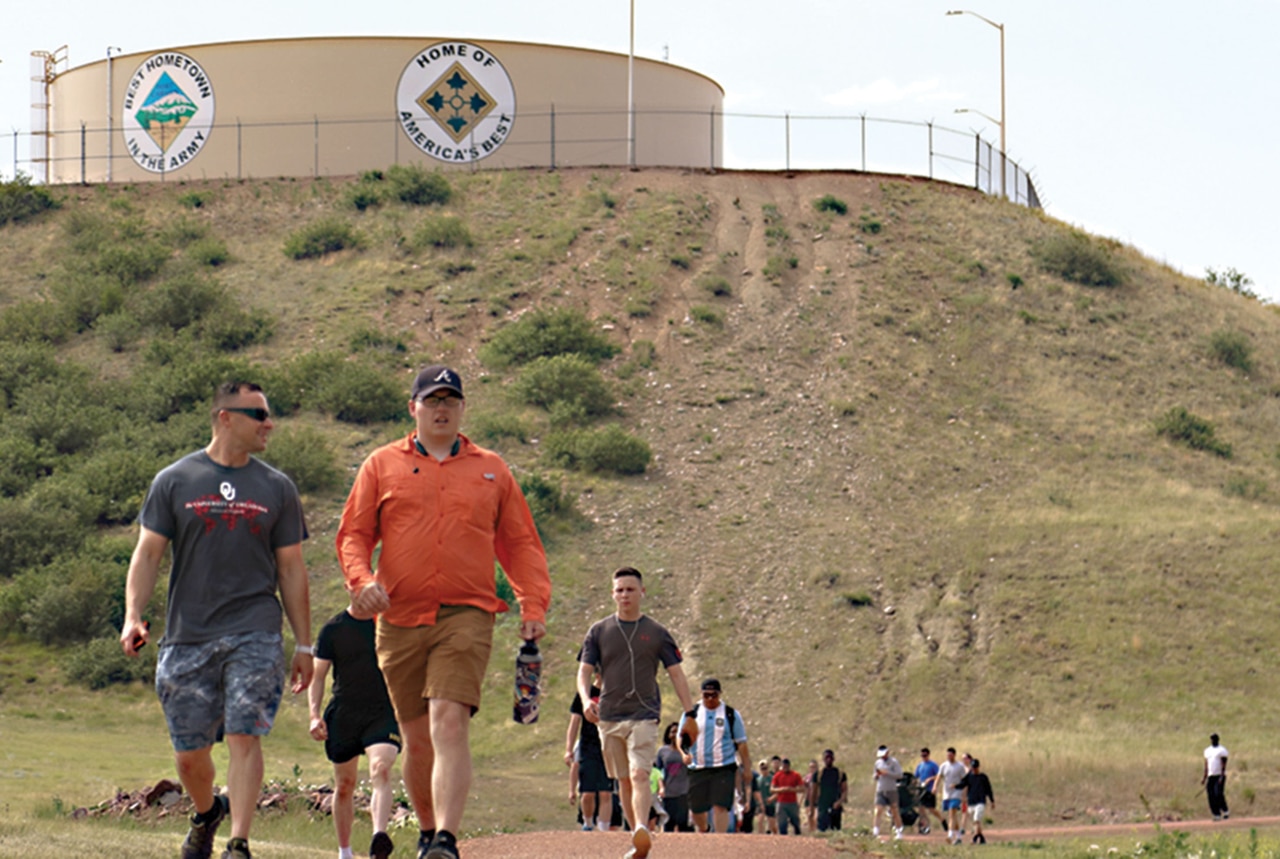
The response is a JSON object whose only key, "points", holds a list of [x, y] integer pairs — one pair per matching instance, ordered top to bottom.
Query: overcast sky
{"points": [[1155, 124]]}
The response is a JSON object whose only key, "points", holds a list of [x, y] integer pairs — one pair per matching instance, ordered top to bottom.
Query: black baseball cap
{"points": [[437, 377], [711, 684]]}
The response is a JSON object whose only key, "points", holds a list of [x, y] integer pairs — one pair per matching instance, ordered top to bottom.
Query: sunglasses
{"points": [[258, 415]]}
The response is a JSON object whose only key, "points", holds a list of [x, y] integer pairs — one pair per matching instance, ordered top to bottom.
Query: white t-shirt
{"points": [[1216, 757], [888, 771], [949, 775]]}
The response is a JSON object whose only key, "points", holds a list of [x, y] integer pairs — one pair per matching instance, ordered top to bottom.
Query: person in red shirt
{"points": [[444, 510], [786, 783]]}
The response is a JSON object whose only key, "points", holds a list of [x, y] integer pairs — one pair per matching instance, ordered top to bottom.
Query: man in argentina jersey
{"points": [[720, 746]]}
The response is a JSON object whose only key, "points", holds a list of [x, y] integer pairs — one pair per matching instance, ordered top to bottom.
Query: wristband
{"points": [[304, 648]]}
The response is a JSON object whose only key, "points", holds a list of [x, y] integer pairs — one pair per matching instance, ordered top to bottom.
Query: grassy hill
{"points": [[907, 483]]}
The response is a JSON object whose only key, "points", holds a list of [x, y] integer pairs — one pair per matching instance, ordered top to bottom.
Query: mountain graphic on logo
{"points": [[166, 112]]}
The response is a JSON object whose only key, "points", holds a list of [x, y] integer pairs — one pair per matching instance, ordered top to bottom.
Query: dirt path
{"points": [[668, 845], [678, 845]]}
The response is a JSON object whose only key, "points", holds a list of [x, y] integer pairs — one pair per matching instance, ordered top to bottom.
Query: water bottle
{"points": [[528, 683]]}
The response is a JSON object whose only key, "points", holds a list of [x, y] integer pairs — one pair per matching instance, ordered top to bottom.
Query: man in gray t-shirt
{"points": [[235, 526], [628, 648], [887, 773]]}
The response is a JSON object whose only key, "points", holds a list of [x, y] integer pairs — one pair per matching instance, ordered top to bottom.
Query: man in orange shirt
{"points": [[444, 509]]}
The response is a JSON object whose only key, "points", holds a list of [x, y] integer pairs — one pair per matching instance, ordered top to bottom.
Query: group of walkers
{"points": [[410, 652]]}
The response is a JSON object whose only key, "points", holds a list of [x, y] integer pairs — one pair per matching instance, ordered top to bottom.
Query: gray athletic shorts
{"points": [[231, 685]]}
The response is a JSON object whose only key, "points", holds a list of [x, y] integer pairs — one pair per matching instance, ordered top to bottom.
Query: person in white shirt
{"points": [[887, 773], [950, 773], [1215, 778]]}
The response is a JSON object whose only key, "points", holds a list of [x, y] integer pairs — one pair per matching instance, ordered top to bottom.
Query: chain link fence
{"points": [[565, 138]]}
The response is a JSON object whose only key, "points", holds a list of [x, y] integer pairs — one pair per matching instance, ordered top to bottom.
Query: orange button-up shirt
{"points": [[441, 526]]}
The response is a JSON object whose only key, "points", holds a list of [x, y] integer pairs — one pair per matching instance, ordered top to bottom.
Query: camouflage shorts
{"points": [[231, 685]]}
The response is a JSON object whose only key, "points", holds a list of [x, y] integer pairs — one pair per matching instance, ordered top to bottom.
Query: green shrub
{"points": [[417, 186], [363, 196], [195, 199], [21, 201], [829, 203], [869, 224], [444, 231], [183, 232], [325, 236], [211, 252], [1077, 257], [130, 262], [776, 266], [1236, 281], [715, 285], [84, 297], [183, 301], [705, 315], [35, 321], [233, 328], [545, 333], [1232, 348], [24, 365], [569, 382], [348, 390], [491, 427], [1195, 432], [610, 449], [306, 455], [22, 462], [115, 480], [548, 503], [30, 537], [76, 602], [101, 663]]}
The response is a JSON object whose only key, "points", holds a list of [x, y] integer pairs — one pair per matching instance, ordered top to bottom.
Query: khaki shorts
{"points": [[447, 660], [628, 747]]}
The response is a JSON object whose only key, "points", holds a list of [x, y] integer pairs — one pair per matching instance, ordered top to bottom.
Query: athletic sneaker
{"points": [[925, 830], [875, 831], [897, 833], [425, 837], [199, 841], [641, 841], [381, 846], [445, 846], [237, 848]]}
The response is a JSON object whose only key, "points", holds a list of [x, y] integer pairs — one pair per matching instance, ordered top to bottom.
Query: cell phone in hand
{"points": [[138, 641]]}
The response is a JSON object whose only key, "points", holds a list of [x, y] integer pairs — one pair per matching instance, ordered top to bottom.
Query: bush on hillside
{"points": [[417, 186], [22, 201], [829, 203], [445, 231], [325, 236], [209, 252], [1079, 258], [714, 285], [182, 301], [34, 321], [546, 333], [1232, 348], [565, 384], [348, 390], [490, 427], [1195, 432], [610, 449], [306, 455], [548, 503], [30, 536], [101, 663]]}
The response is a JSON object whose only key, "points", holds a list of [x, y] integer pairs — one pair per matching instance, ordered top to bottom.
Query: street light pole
{"points": [[110, 98], [1004, 148]]}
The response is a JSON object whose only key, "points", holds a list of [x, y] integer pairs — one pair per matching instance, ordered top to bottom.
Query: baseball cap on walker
{"points": [[437, 377]]}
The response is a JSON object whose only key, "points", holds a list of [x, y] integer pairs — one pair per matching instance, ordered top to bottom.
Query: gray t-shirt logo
{"points": [[228, 491]]}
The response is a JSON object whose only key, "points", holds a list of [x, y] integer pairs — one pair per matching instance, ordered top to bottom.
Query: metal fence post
{"points": [[787, 123], [712, 129], [553, 135], [864, 142], [317, 147], [931, 149], [239, 151], [82, 155], [977, 162]]}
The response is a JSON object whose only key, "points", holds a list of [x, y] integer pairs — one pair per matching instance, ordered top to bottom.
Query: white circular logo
{"points": [[456, 102], [168, 112], [228, 491]]}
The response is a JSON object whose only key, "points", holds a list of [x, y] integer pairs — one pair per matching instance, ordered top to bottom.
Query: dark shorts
{"points": [[231, 685], [351, 731], [592, 777], [711, 788], [929, 799]]}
